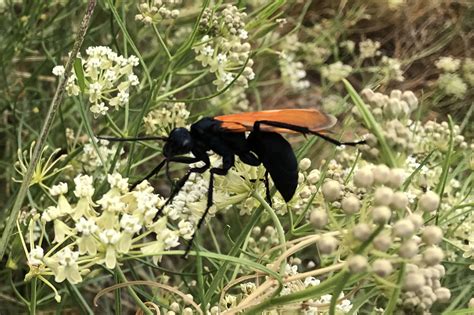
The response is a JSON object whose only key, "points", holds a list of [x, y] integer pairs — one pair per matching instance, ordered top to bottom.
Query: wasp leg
{"points": [[303, 130], [228, 161], [156, 170], [182, 181], [268, 195]]}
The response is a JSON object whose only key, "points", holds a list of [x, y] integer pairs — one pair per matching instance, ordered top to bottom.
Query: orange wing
{"points": [[312, 119]]}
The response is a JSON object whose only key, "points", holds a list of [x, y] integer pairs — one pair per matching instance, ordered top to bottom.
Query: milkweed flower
{"points": [[107, 79]]}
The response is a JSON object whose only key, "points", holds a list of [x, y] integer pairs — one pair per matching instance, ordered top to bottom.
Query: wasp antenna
{"points": [[131, 139]]}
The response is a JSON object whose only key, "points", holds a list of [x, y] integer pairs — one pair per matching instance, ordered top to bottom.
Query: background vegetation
{"points": [[332, 55]]}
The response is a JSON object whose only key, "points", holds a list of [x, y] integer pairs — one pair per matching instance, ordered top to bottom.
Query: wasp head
{"points": [[179, 142]]}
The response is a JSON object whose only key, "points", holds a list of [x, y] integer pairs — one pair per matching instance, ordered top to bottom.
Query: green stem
{"points": [[162, 42], [53, 108], [279, 227], [134, 295], [33, 296], [392, 303]]}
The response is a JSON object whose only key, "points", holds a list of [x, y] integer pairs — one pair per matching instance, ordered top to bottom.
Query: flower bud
{"points": [[305, 164], [381, 174], [313, 176], [363, 177], [396, 177], [332, 190], [383, 196], [399, 201], [429, 201], [350, 204], [381, 215], [318, 218], [416, 219], [403, 228], [256, 231], [362, 231], [432, 235], [382, 242], [327, 244], [408, 249], [433, 256], [357, 263], [382, 267], [414, 281], [443, 295]]}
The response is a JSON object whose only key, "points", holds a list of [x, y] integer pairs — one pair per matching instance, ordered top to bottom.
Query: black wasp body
{"points": [[259, 147]]}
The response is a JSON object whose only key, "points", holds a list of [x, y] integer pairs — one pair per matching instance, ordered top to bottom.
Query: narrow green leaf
{"points": [[79, 74]]}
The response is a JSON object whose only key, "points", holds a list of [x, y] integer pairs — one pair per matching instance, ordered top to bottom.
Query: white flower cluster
{"points": [[154, 11], [225, 49], [369, 49], [390, 70], [292, 72], [336, 72], [108, 78], [452, 81], [168, 116], [92, 160], [101, 231]]}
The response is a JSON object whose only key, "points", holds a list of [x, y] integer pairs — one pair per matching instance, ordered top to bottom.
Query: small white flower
{"points": [[243, 34], [58, 71], [84, 187], [59, 189], [130, 224], [86, 226], [109, 236], [35, 257], [66, 257], [311, 282]]}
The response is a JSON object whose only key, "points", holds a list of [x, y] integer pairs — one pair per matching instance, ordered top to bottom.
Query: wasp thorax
{"points": [[179, 142]]}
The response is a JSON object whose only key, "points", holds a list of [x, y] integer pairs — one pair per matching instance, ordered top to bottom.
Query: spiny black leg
{"points": [[303, 130], [227, 162], [155, 171], [179, 185], [267, 189], [210, 198]]}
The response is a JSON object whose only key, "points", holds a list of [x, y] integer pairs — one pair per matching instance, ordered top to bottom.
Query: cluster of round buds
{"points": [[152, 12], [209, 22], [226, 50], [108, 78], [397, 105], [394, 110], [162, 120], [436, 136], [307, 180], [260, 241], [422, 288]]}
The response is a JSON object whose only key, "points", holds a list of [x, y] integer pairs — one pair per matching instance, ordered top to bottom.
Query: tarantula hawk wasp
{"points": [[226, 136]]}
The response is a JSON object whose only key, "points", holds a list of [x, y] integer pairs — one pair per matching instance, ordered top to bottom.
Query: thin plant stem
{"points": [[48, 122], [279, 227], [132, 292], [33, 296]]}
